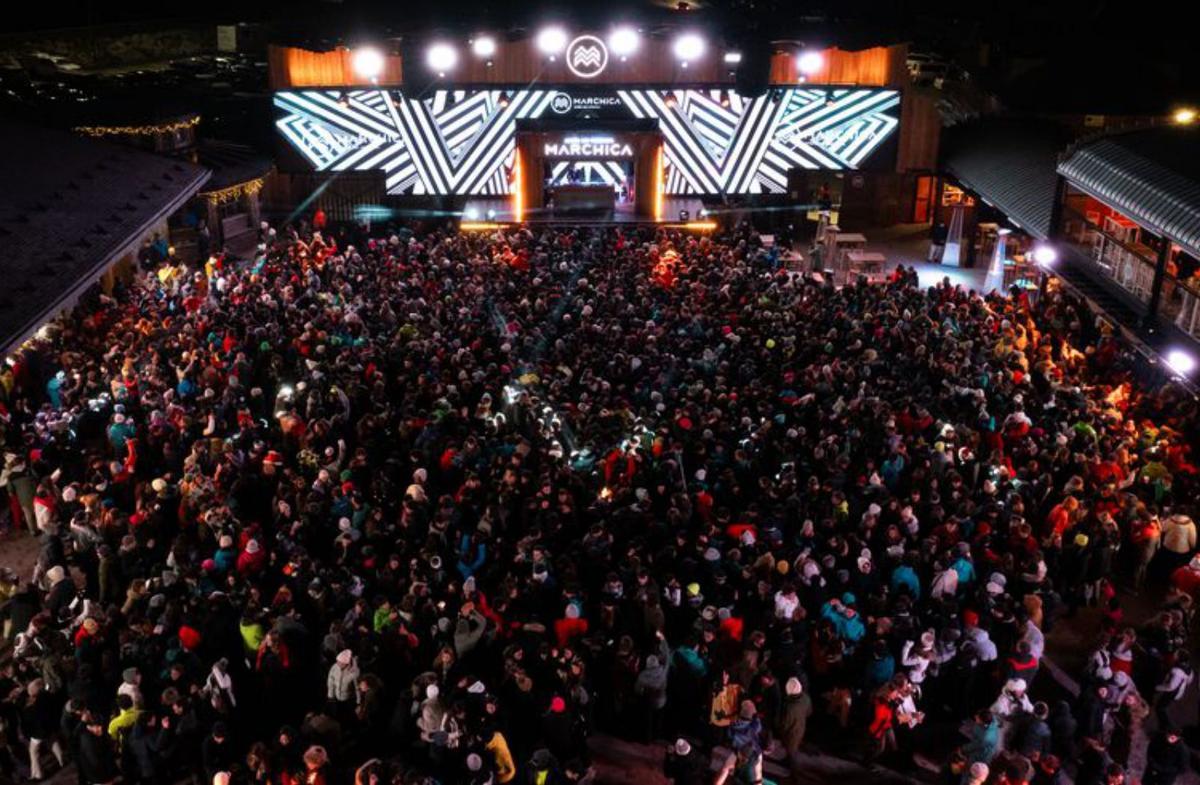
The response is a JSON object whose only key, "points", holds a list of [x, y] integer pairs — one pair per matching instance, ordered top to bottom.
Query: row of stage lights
{"points": [[442, 56]]}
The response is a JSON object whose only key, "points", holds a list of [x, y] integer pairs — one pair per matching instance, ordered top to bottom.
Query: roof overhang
{"points": [[1141, 189]]}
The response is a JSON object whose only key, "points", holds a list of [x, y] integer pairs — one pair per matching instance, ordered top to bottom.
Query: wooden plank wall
{"points": [[519, 62], [290, 67]]}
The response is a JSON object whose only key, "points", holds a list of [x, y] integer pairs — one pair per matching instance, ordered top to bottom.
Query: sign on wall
{"points": [[587, 56], [716, 141], [586, 146]]}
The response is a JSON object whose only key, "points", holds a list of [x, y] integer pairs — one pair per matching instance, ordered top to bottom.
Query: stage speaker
{"points": [[753, 74]]}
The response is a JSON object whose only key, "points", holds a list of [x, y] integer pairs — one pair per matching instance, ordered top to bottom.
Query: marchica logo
{"points": [[587, 56], [561, 103], [588, 147]]}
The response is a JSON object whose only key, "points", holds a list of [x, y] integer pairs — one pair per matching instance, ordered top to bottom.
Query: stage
{"points": [[676, 211]]}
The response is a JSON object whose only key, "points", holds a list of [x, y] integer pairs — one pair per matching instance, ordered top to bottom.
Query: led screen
{"points": [[716, 141]]}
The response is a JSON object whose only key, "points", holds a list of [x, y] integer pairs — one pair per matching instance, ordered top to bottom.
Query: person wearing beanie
{"points": [[225, 557], [252, 559], [570, 626], [340, 684], [651, 689], [432, 717], [792, 725], [747, 728], [559, 729], [217, 751], [683, 764], [478, 771], [976, 774]]}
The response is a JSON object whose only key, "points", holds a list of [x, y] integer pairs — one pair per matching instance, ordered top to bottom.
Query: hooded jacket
{"points": [[651, 683], [339, 684], [793, 721]]}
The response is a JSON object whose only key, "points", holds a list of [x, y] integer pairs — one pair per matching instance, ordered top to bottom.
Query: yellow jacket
{"points": [[725, 705], [120, 725], [506, 770]]}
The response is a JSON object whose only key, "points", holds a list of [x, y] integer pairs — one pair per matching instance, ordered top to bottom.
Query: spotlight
{"points": [[551, 40], [623, 41], [484, 46], [689, 46], [441, 57], [733, 58], [367, 62], [810, 62], [1184, 116], [471, 214], [491, 215], [1045, 256], [1181, 362]]}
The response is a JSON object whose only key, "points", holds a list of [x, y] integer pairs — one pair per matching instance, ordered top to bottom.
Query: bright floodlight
{"points": [[551, 40], [623, 41], [484, 46], [689, 46], [441, 57], [733, 58], [368, 62], [810, 62], [1184, 116], [1045, 255], [1181, 362]]}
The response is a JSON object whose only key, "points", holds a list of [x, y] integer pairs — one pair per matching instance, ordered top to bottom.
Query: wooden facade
{"points": [[520, 62], [289, 67]]}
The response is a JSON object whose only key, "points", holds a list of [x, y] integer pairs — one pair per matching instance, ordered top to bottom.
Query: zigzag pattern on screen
{"points": [[462, 142], [719, 142], [454, 143]]}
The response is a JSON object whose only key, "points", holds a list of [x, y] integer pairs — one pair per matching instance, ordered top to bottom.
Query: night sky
{"points": [[1092, 56]]}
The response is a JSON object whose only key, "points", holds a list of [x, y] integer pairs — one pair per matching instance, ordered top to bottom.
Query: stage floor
{"points": [[499, 210]]}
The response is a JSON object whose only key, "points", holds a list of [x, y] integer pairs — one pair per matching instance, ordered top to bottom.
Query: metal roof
{"points": [[1010, 163], [1151, 176], [69, 208]]}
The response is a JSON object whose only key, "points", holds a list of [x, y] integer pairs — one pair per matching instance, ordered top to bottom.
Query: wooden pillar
{"points": [[645, 177], [533, 191]]}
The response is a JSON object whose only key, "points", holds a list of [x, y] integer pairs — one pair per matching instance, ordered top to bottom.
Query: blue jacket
{"points": [[468, 564], [965, 570], [906, 577], [880, 671]]}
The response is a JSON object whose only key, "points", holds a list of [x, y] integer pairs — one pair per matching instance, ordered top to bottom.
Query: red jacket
{"points": [[249, 563], [567, 629], [884, 716]]}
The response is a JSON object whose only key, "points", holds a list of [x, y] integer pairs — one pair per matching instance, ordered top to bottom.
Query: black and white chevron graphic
{"points": [[462, 141]]}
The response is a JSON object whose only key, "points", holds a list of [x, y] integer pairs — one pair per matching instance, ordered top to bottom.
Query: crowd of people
{"points": [[440, 507]]}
